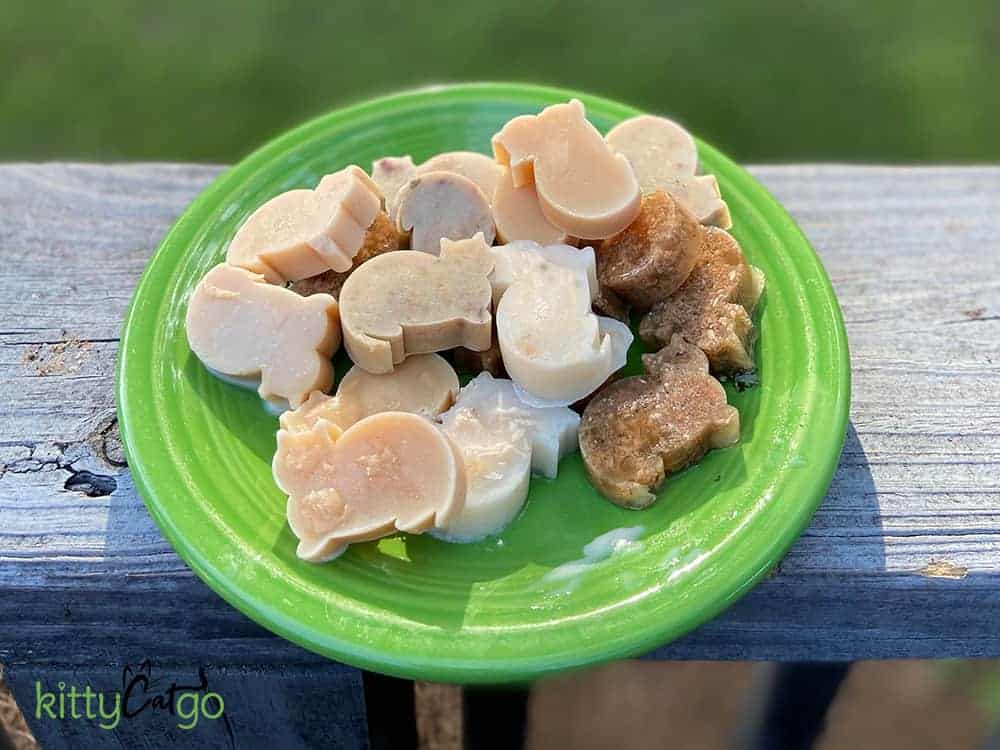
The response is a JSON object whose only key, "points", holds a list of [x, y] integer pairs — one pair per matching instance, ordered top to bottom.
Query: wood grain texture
{"points": [[87, 579]]}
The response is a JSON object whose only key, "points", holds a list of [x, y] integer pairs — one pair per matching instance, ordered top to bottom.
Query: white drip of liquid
{"points": [[600, 549]]}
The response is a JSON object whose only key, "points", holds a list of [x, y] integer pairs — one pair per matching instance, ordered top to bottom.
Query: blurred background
{"points": [[846, 80]]}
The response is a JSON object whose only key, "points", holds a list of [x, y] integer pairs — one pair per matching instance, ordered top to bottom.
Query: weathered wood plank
{"points": [[912, 253]]}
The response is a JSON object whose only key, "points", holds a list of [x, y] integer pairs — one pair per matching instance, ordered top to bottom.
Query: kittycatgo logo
{"points": [[140, 693]]}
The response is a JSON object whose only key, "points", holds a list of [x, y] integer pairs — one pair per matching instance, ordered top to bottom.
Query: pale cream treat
{"points": [[665, 157], [481, 169], [391, 174], [583, 187], [702, 197], [439, 206], [518, 216], [304, 232], [522, 259], [650, 259], [410, 302], [712, 309], [241, 327], [555, 349], [424, 384], [640, 429], [502, 440], [392, 471]]}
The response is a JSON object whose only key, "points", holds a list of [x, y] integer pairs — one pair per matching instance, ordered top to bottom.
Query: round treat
{"points": [[658, 149], [481, 169], [443, 205], [650, 259]]}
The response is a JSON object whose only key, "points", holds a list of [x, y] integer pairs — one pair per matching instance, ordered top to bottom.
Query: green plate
{"points": [[527, 603]]}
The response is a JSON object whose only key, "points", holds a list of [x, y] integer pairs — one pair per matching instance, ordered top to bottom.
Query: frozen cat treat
{"points": [[658, 149], [664, 157], [482, 170], [391, 174], [583, 187], [701, 196], [443, 205], [518, 215], [304, 232], [381, 237], [652, 257], [523, 259], [411, 302], [712, 308], [242, 327], [554, 348], [424, 384], [639, 429], [502, 440], [390, 471]]}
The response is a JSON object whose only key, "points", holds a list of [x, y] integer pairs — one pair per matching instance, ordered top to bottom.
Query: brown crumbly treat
{"points": [[381, 237], [653, 256], [609, 304], [712, 309], [637, 430]]}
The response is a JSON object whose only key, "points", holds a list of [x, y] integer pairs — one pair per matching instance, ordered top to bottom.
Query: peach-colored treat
{"points": [[664, 157], [482, 170], [391, 174], [583, 187], [443, 205], [519, 217], [305, 232], [410, 302], [242, 327], [424, 384], [637, 430], [390, 471]]}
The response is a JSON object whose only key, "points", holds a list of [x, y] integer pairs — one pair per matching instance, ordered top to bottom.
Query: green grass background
{"points": [[766, 81]]}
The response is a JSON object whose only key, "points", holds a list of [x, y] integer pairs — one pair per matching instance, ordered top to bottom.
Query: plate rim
{"points": [[469, 671]]}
